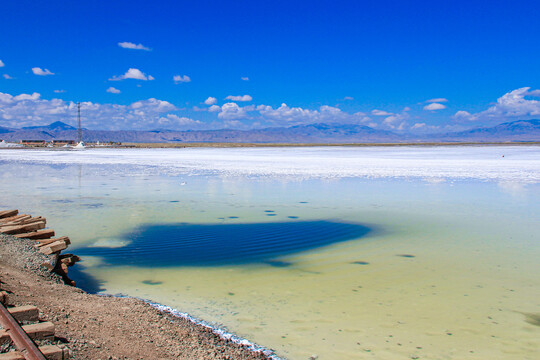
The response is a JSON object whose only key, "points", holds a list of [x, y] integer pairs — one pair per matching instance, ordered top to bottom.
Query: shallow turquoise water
{"points": [[440, 268]]}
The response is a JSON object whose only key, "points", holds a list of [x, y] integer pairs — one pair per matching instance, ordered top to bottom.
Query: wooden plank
{"points": [[8, 213], [10, 218], [14, 218], [23, 219], [30, 220], [19, 221], [18, 229], [34, 235], [43, 242], [54, 247], [69, 259], [4, 297], [28, 313], [39, 331], [51, 352]]}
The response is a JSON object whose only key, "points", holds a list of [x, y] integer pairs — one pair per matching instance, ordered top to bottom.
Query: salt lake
{"points": [[338, 252]]}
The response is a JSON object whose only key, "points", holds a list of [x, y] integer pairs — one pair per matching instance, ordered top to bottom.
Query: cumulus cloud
{"points": [[130, 45], [2, 63], [41, 72], [132, 74], [7, 77], [245, 78], [180, 79], [113, 90], [239, 98], [437, 100], [210, 101], [434, 106], [511, 106], [214, 108], [31, 109], [231, 111], [381, 113], [285, 115], [463, 115], [178, 121], [396, 121]]}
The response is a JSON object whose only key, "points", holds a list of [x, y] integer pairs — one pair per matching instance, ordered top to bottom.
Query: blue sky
{"points": [[375, 63]]}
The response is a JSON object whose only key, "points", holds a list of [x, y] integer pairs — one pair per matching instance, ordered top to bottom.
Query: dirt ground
{"points": [[98, 327]]}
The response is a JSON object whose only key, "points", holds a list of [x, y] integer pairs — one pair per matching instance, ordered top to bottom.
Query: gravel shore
{"points": [[101, 327]]}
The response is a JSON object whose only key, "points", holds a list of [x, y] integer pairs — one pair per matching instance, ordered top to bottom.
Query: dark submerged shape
{"points": [[224, 244]]}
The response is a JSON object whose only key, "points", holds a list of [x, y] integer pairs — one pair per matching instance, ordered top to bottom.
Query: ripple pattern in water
{"points": [[223, 244]]}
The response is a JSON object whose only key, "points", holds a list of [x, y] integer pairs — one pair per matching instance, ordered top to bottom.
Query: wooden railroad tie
{"points": [[24, 226], [24, 336]]}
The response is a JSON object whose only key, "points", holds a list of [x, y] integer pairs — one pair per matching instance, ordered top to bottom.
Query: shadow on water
{"points": [[224, 244], [84, 280]]}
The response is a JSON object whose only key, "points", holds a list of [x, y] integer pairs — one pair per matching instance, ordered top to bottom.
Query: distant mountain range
{"points": [[516, 131]]}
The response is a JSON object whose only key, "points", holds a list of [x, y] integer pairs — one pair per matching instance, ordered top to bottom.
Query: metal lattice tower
{"points": [[79, 133]]}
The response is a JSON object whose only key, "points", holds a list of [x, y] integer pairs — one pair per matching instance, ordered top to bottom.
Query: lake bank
{"points": [[94, 327]]}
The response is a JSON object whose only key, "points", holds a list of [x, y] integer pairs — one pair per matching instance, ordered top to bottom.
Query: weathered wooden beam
{"points": [[8, 213], [13, 219], [23, 220], [30, 220], [18, 222], [18, 229], [34, 235], [43, 242], [54, 247], [69, 259], [4, 297], [28, 313], [39, 331], [17, 334], [51, 352]]}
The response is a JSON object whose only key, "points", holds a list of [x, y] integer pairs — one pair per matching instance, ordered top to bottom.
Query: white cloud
{"points": [[130, 45], [2, 63], [41, 72], [132, 74], [7, 77], [245, 78], [180, 79], [113, 90], [59, 91], [23, 97], [239, 98], [348, 98], [437, 100], [210, 101], [434, 106], [510, 106], [214, 108], [406, 108], [31, 109], [231, 111], [381, 113], [285, 115], [177, 121], [396, 121], [418, 126]]}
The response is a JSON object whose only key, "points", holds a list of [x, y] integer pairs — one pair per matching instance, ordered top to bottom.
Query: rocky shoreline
{"points": [[106, 327]]}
